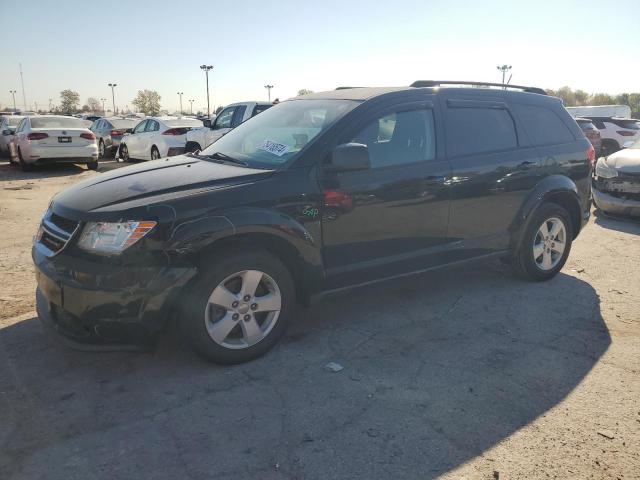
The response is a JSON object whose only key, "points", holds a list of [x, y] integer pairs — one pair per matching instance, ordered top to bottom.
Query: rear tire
{"points": [[191, 147], [608, 147], [101, 150], [155, 153], [93, 165], [24, 166], [545, 244], [240, 305]]}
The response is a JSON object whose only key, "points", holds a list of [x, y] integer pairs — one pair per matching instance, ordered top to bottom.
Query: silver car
{"points": [[8, 125], [109, 131]]}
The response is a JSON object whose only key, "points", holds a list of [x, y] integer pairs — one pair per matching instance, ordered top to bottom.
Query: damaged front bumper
{"points": [[619, 195]]}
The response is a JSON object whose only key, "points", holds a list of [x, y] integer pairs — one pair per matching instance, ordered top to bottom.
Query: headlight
{"points": [[603, 170], [112, 238]]}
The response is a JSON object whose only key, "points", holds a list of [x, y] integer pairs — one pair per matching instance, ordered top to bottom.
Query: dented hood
{"points": [[625, 161], [152, 181]]}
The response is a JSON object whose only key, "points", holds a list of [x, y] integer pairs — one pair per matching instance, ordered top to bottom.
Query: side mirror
{"points": [[207, 123], [350, 157]]}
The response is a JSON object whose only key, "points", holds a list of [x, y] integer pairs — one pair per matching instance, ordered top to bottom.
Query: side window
{"points": [[259, 109], [239, 115], [224, 119], [543, 125], [21, 126], [152, 126], [140, 127], [479, 130], [399, 138]]}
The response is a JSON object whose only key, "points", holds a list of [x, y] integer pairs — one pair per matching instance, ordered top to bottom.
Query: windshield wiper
{"points": [[221, 156]]}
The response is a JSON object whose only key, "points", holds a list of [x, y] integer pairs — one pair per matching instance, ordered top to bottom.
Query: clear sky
{"points": [[318, 45]]}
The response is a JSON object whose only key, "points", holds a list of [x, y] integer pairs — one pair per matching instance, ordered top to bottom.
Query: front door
{"points": [[134, 140], [391, 218]]}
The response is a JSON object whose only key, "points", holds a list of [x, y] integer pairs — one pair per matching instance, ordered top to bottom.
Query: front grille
{"points": [[56, 232]]}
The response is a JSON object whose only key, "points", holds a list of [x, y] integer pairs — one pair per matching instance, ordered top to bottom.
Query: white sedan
{"points": [[157, 137], [48, 139]]}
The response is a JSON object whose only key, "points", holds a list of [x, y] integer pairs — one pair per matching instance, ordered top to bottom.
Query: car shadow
{"points": [[13, 172], [617, 222], [437, 369]]}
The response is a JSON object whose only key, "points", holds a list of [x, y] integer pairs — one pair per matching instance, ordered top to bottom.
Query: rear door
{"points": [[494, 168], [391, 218]]}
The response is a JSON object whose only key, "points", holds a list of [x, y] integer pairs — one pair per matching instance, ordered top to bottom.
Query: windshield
{"points": [[57, 122], [123, 122], [276, 135]]}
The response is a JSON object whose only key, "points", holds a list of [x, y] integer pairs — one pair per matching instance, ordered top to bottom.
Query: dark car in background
{"points": [[109, 131], [591, 132], [317, 194]]}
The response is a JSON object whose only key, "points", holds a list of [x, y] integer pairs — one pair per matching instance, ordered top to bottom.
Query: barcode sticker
{"points": [[276, 148]]}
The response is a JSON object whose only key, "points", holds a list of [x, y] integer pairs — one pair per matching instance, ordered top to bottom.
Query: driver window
{"points": [[224, 119], [152, 126], [140, 127], [399, 138]]}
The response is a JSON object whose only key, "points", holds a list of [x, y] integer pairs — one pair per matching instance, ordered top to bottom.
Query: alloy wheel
{"points": [[549, 243], [243, 309]]}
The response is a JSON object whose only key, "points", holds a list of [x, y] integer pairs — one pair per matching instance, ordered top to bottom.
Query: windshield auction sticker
{"points": [[276, 148]]}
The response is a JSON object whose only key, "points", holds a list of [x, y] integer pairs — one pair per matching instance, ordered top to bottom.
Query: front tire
{"points": [[101, 150], [124, 153], [24, 166], [545, 244], [240, 306]]}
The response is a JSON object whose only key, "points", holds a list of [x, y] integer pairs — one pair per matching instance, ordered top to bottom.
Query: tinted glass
{"points": [[258, 109], [237, 119], [57, 122], [628, 124], [543, 125], [152, 126], [479, 130], [399, 138]]}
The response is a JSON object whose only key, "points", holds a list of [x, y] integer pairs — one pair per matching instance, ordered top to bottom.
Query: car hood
{"points": [[625, 161], [153, 181]]}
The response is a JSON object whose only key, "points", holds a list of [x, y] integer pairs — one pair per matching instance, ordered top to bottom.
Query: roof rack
{"points": [[437, 83]]}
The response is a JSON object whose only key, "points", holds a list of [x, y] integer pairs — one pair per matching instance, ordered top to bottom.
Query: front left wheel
{"points": [[240, 306]]}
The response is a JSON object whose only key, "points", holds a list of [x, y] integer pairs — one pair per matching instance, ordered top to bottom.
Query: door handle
{"points": [[435, 179]]}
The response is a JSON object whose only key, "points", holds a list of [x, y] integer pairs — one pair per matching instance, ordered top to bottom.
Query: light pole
{"points": [[206, 69], [504, 69], [269, 87], [13, 93], [180, 95], [113, 96], [191, 102], [50, 104], [104, 112]]}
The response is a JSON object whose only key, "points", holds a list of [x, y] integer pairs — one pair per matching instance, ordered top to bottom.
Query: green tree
{"points": [[304, 91], [567, 96], [582, 98], [602, 99], [69, 101], [147, 102], [634, 103]]}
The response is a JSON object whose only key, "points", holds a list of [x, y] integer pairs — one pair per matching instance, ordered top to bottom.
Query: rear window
{"points": [[259, 109], [13, 121], [57, 122], [183, 122], [123, 123], [628, 124], [543, 125], [586, 125], [479, 130]]}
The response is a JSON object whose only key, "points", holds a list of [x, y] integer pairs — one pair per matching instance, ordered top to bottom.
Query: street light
{"points": [[206, 69], [504, 69], [269, 87], [13, 93], [180, 95], [113, 96], [191, 102], [50, 104], [104, 112]]}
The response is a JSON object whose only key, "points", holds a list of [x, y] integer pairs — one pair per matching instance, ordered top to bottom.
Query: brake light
{"points": [[175, 131], [118, 133], [625, 133], [88, 135], [37, 136], [591, 155]]}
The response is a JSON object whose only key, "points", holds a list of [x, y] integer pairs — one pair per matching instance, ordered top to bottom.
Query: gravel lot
{"points": [[461, 374]]}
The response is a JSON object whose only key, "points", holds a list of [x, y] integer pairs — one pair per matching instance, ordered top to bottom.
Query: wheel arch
{"points": [[557, 189]]}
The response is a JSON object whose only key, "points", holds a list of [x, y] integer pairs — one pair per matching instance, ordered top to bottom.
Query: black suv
{"points": [[317, 194]]}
